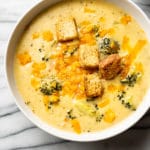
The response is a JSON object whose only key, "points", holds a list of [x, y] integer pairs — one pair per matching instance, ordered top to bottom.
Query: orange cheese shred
{"points": [[89, 10], [102, 19], [125, 19], [104, 32], [35, 35], [47, 36], [88, 39], [126, 43], [133, 53], [24, 58], [34, 83], [112, 88], [104, 103], [109, 116], [76, 126]]}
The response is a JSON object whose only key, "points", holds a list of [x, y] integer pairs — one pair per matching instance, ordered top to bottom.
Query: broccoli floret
{"points": [[109, 46], [131, 80], [50, 87]]}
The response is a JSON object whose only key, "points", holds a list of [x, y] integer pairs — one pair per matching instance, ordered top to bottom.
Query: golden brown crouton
{"points": [[66, 29], [89, 56], [110, 66], [93, 87]]}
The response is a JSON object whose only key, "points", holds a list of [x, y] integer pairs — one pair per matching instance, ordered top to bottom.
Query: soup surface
{"points": [[82, 65]]}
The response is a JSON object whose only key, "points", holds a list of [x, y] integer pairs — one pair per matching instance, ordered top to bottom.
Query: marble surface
{"points": [[17, 132]]}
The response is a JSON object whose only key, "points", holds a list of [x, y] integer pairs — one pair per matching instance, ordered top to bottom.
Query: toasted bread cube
{"points": [[66, 29], [89, 56], [110, 67], [93, 86]]}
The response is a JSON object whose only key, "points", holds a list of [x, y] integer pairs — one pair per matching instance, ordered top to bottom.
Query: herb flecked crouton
{"points": [[66, 29], [89, 56], [110, 67], [93, 86]]}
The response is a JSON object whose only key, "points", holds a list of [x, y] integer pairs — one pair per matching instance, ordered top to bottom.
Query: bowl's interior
{"points": [[129, 7]]}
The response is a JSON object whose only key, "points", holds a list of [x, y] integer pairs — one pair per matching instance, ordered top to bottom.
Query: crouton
{"points": [[66, 29], [89, 57], [110, 67], [93, 86]]}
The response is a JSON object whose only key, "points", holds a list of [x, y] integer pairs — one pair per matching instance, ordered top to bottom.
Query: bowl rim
{"points": [[86, 137]]}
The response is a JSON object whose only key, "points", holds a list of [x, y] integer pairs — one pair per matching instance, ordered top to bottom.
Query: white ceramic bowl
{"points": [[145, 2], [129, 7]]}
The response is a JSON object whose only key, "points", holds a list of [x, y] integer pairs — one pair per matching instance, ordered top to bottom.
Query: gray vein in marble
{"points": [[9, 113], [18, 132], [38, 146]]}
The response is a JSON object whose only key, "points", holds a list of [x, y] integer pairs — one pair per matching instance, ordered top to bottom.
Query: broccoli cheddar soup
{"points": [[82, 65]]}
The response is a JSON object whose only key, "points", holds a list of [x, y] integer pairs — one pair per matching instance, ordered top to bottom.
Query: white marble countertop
{"points": [[17, 132]]}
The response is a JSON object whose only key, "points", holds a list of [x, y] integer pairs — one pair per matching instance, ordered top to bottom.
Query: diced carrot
{"points": [[47, 36], [24, 58], [109, 116], [76, 126]]}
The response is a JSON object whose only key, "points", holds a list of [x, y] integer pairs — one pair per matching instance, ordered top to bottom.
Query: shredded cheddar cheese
{"points": [[89, 10], [102, 19], [125, 19], [104, 32], [35, 35], [47, 36], [88, 39], [126, 44], [133, 53], [24, 58], [139, 67], [37, 68], [35, 83], [112, 88], [104, 103], [109, 116], [76, 126]]}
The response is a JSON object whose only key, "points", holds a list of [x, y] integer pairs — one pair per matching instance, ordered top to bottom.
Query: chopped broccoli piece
{"points": [[109, 46], [130, 80], [50, 87]]}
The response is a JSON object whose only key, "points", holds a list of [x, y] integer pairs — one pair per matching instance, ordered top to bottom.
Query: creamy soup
{"points": [[82, 65]]}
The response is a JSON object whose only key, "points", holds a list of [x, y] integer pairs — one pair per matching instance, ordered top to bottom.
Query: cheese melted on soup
{"points": [[80, 65]]}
